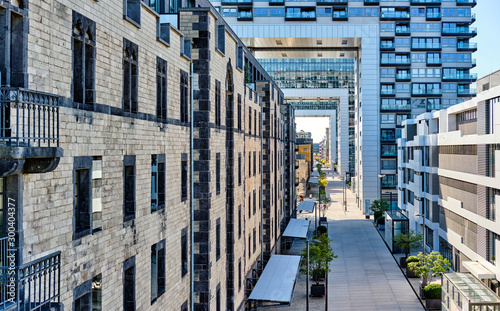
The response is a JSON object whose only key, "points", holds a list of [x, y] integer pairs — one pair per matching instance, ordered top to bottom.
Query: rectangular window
{"points": [[132, 11], [84, 34], [221, 38], [239, 62], [130, 76], [161, 89], [217, 103], [239, 112], [184, 113], [250, 119], [254, 163], [249, 164], [239, 169], [217, 173], [184, 177], [157, 182], [128, 187], [96, 194], [81, 202], [254, 203], [249, 205], [239, 221], [217, 239], [254, 240], [184, 252], [157, 270], [239, 274], [129, 284], [97, 293], [88, 296], [218, 298]]}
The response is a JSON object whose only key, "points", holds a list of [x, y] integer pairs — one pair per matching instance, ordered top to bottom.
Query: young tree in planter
{"points": [[379, 207], [407, 242], [320, 256], [429, 265]]}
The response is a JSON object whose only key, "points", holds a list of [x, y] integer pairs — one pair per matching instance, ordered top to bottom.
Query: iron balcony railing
{"points": [[28, 118], [34, 286]]}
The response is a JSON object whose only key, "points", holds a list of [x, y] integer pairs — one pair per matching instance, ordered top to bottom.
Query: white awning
{"points": [[315, 174], [313, 180], [306, 206], [297, 228], [478, 270], [277, 280]]}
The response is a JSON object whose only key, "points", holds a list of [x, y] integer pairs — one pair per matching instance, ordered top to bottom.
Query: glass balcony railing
{"points": [[332, 1], [425, 1], [224, 2], [276, 2], [372, 2], [466, 2], [245, 15], [300, 15], [339, 15], [395, 15], [433, 15], [403, 30], [460, 30], [387, 45], [426, 46], [466, 46], [396, 61], [434, 61], [473, 63], [403, 76], [459, 76], [388, 92], [426, 92], [466, 92], [395, 107], [431, 107], [388, 137], [389, 152], [389, 184]]}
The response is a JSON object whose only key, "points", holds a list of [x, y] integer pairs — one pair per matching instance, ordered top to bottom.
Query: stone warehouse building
{"points": [[138, 170], [449, 183]]}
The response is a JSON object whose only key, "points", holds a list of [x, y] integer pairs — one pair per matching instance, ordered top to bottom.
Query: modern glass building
{"points": [[398, 59]]}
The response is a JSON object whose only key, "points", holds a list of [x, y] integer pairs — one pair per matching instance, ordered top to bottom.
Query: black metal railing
{"points": [[28, 118], [34, 286]]}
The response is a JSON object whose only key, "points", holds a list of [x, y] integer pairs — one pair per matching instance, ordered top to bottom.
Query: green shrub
{"points": [[377, 215], [381, 220], [322, 230], [412, 259], [432, 291]]}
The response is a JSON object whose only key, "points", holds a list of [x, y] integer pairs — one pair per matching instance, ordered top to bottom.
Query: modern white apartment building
{"points": [[398, 59], [449, 171]]}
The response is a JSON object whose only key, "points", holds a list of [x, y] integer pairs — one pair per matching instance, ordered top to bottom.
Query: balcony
{"points": [[236, 2], [276, 2], [331, 2], [372, 2], [432, 2], [467, 2], [300, 14], [395, 15], [245, 16], [339, 16], [433, 16], [403, 31], [459, 31], [387, 46], [436, 46], [467, 46], [395, 61], [434, 61], [403, 77], [472, 77], [388, 92], [426, 92], [466, 92], [395, 107], [431, 107], [29, 131], [387, 137], [389, 151], [389, 185], [36, 284]]}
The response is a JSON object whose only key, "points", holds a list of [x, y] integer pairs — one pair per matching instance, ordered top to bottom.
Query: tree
{"points": [[319, 166], [322, 183], [326, 203], [379, 207], [408, 241], [320, 256], [428, 266]]}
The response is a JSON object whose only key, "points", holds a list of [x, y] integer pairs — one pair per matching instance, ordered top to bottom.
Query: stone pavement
{"points": [[365, 276]]}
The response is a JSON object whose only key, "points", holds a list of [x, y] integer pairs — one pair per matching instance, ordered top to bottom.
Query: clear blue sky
{"points": [[488, 36]]}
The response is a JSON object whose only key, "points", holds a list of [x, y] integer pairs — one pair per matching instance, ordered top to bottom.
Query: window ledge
{"points": [[150, 10], [133, 22], [163, 42], [220, 52], [185, 56], [239, 69], [128, 221]]}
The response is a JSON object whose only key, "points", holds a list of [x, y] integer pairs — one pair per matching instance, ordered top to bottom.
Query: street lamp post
{"points": [[423, 224], [307, 277]]}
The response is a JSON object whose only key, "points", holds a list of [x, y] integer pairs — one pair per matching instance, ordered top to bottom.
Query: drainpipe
{"points": [[191, 181]]}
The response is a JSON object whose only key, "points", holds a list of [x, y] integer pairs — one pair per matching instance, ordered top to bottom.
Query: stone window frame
{"points": [[132, 12], [221, 39], [83, 46], [239, 58], [130, 76], [161, 89], [184, 110], [239, 112], [250, 119], [254, 163], [249, 164], [239, 168], [184, 177], [160, 180], [129, 188], [254, 201], [249, 206], [82, 209], [239, 221], [254, 240], [159, 251], [184, 252], [129, 271], [239, 275], [84, 289], [218, 298], [184, 306]]}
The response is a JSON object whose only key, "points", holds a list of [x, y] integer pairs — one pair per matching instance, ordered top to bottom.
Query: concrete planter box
{"points": [[410, 274], [317, 290], [433, 304]]}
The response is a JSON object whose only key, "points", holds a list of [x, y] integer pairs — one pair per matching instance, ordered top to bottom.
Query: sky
{"points": [[487, 57]]}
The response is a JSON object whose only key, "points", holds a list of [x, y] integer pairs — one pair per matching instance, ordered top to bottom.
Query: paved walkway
{"points": [[365, 276]]}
